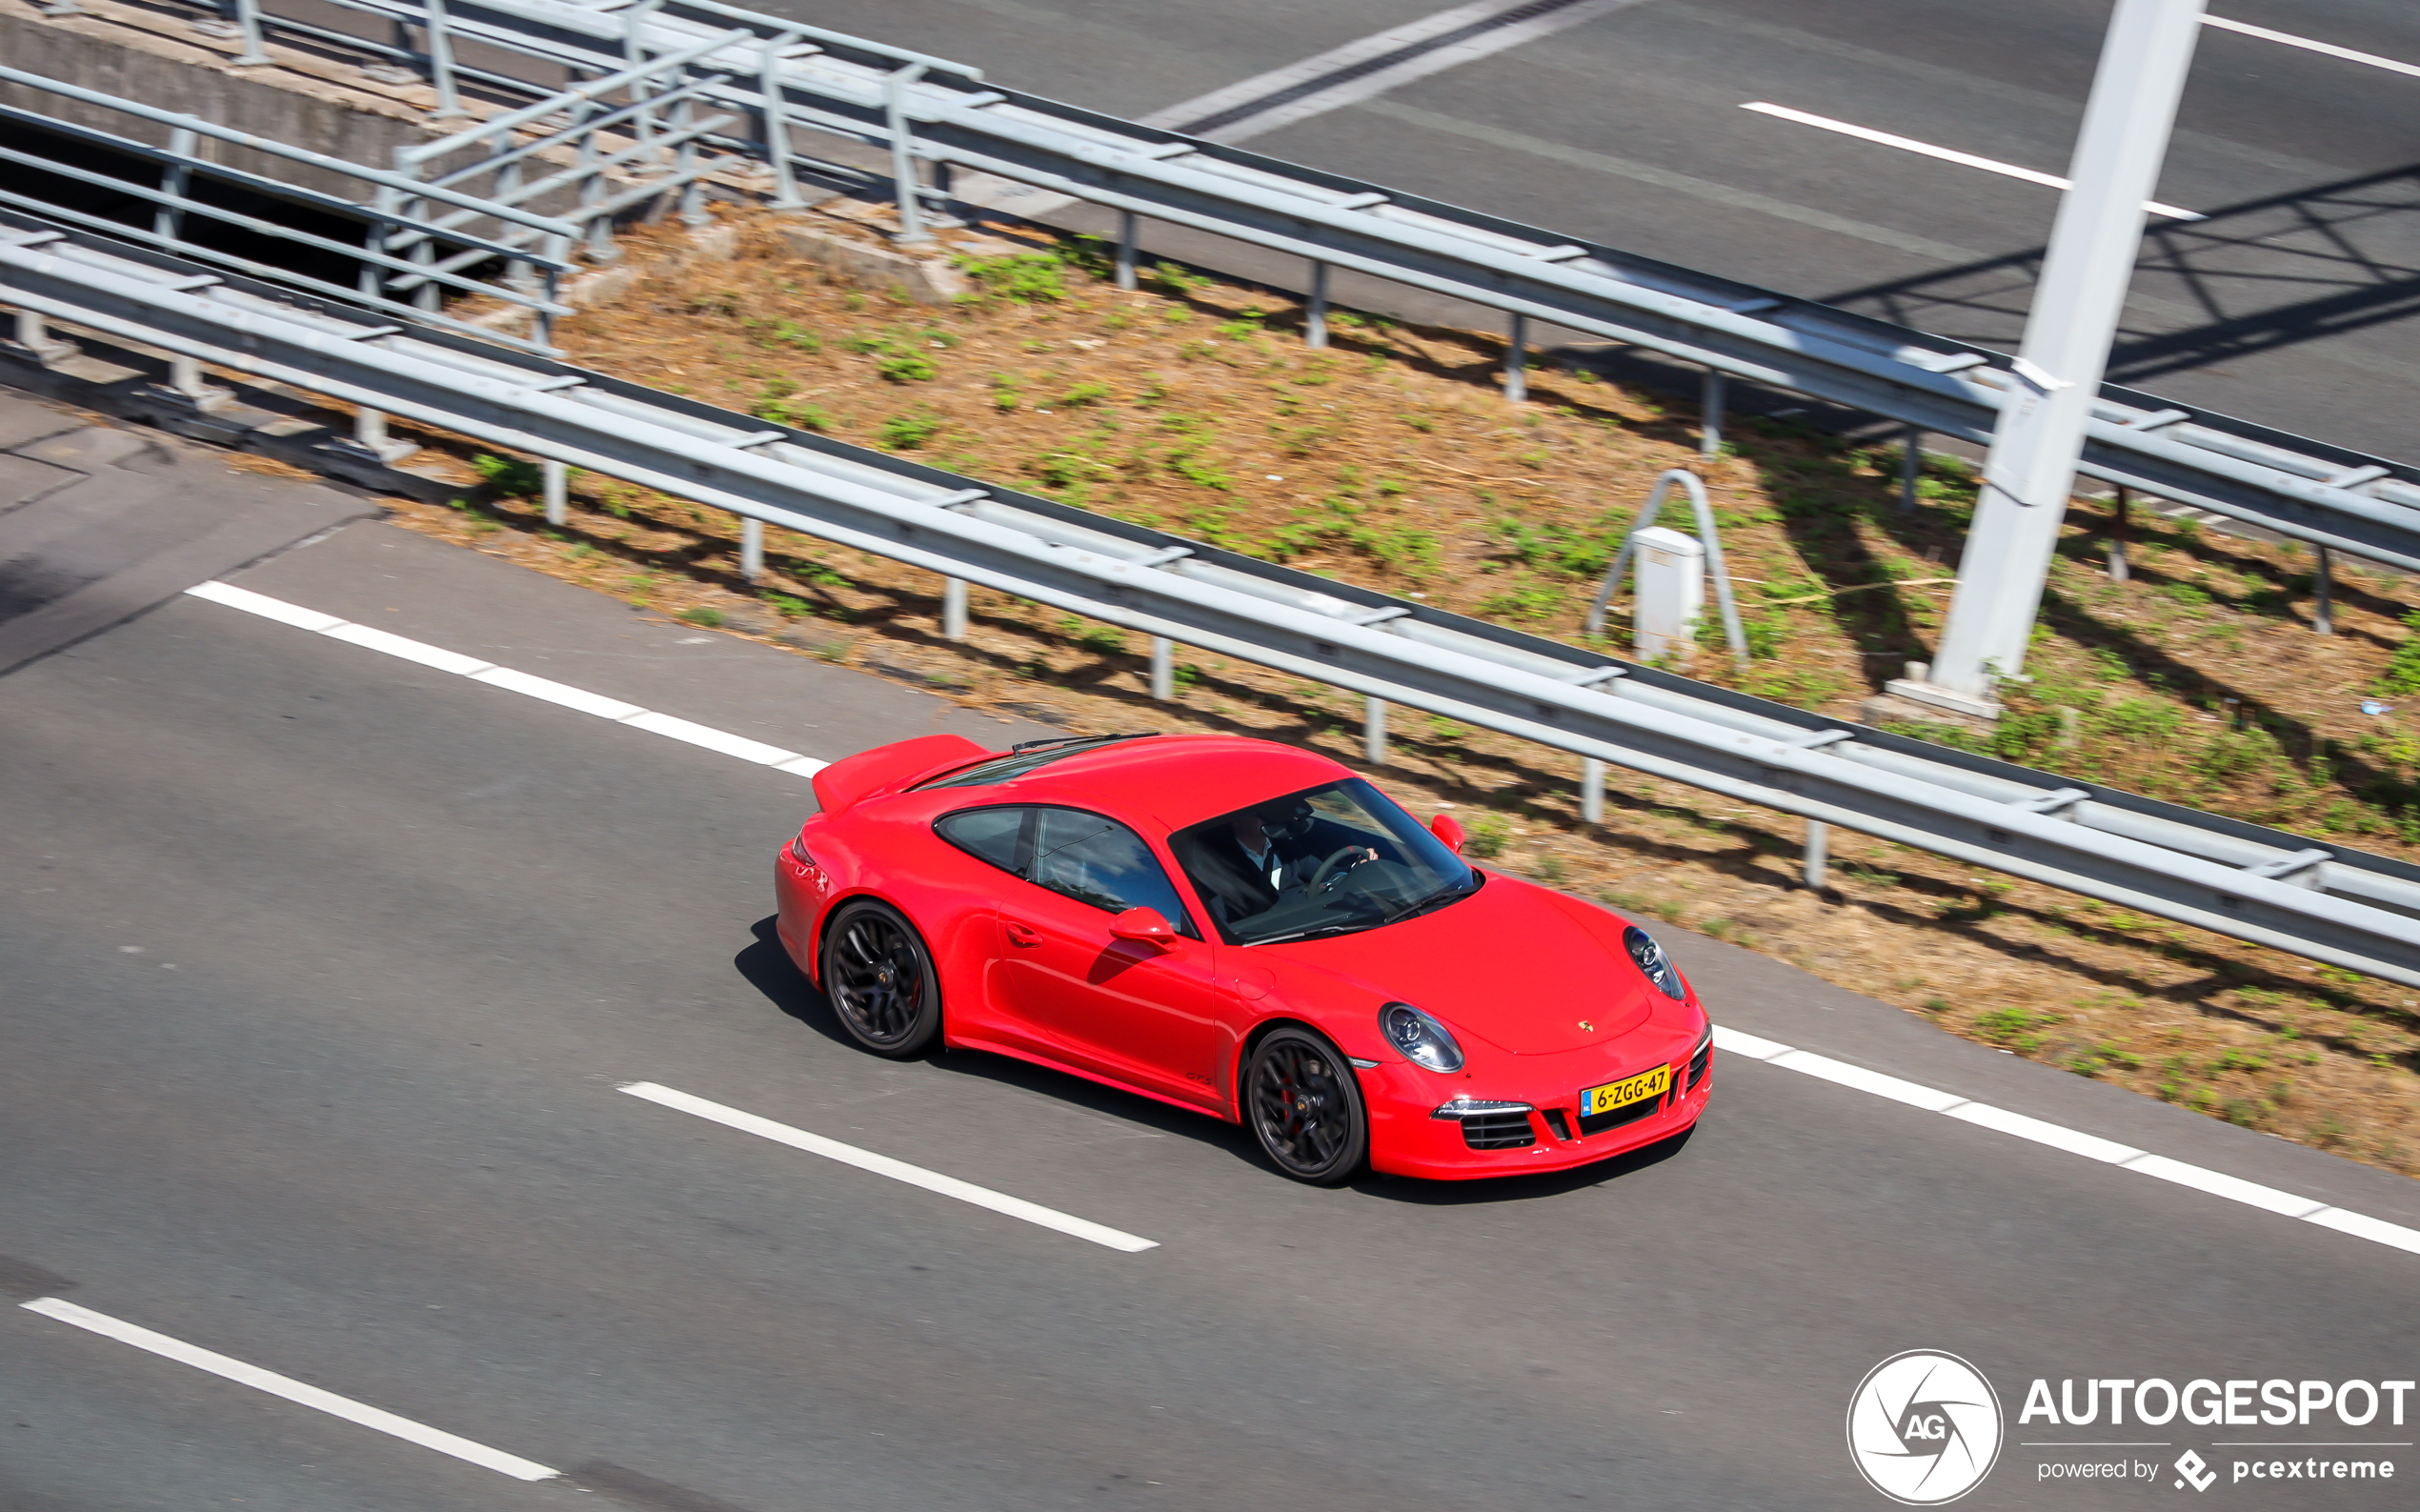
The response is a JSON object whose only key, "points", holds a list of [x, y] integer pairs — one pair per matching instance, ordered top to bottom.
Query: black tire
{"points": [[881, 980], [1303, 1103]]}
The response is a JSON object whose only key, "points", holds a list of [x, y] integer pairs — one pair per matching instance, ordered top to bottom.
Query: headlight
{"points": [[798, 853], [1652, 963], [1423, 1040], [1479, 1107]]}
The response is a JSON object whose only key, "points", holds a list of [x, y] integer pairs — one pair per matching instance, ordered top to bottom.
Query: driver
{"points": [[1263, 854]]}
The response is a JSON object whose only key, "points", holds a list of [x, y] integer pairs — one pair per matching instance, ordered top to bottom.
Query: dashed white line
{"points": [[2333, 51], [1908, 144], [371, 637], [2092, 1147], [896, 1170], [293, 1390]]}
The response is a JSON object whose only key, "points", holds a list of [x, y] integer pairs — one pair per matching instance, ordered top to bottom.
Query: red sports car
{"points": [[1244, 929]]}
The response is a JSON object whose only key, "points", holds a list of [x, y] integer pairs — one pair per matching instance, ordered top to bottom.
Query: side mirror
{"points": [[1449, 830], [1144, 924]]}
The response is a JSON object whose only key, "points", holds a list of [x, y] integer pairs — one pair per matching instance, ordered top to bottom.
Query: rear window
{"points": [[1024, 758]]}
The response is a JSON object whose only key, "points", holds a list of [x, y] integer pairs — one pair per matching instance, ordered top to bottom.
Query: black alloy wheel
{"points": [[880, 979], [1304, 1107]]}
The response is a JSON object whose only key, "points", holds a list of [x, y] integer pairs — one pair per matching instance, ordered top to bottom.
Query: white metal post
{"points": [[248, 28], [440, 41], [776, 120], [176, 179], [912, 232], [1125, 249], [1315, 312], [1517, 380], [1710, 416], [1911, 468], [2030, 470], [557, 477], [751, 549], [2323, 583], [953, 609], [1163, 668], [1374, 730], [1592, 790], [1814, 866]]}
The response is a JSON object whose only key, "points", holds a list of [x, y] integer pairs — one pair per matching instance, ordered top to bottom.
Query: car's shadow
{"points": [[768, 968]]}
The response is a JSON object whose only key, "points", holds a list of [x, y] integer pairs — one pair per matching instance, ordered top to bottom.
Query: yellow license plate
{"points": [[1622, 1094]]}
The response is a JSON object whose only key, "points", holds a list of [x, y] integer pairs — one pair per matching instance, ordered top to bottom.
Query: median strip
{"points": [[2090, 1146], [1015, 1208], [293, 1390]]}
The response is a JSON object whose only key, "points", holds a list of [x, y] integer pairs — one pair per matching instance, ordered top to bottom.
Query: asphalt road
{"points": [[2291, 304], [319, 970]]}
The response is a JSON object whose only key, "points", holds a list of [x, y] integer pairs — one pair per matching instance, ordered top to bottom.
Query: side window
{"points": [[997, 835], [1100, 862]]}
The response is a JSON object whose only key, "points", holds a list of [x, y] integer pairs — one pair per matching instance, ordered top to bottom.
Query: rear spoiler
{"points": [[842, 783]]}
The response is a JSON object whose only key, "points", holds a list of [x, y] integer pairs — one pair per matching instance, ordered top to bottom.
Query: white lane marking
{"points": [[2328, 48], [1378, 81], [1906, 144], [372, 638], [712, 739], [1841, 1073], [2090, 1146], [896, 1170], [296, 1391]]}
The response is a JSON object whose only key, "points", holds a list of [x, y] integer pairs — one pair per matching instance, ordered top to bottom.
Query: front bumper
{"points": [[1406, 1139]]}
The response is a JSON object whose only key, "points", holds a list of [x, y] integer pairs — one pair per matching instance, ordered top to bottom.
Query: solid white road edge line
{"points": [[2306, 42], [1904, 144], [508, 679], [1731, 1042], [2092, 1147], [896, 1170], [296, 1391]]}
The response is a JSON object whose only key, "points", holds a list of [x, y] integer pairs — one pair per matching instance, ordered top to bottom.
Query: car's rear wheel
{"points": [[880, 979], [1304, 1106]]}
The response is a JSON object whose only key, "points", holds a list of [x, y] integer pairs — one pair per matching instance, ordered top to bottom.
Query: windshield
{"points": [[1328, 862]]}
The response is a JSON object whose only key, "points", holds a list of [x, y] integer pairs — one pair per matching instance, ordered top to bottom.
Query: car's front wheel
{"points": [[880, 979], [1304, 1106]]}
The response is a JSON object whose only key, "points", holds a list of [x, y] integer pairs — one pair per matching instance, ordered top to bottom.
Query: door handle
{"points": [[1023, 934]]}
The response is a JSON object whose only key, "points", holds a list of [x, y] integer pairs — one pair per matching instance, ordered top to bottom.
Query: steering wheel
{"points": [[1345, 858]]}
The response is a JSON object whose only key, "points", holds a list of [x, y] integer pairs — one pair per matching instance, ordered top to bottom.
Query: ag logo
{"points": [[1924, 1427]]}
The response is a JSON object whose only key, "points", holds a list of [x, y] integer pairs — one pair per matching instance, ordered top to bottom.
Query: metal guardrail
{"points": [[946, 116], [530, 282], [2330, 903]]}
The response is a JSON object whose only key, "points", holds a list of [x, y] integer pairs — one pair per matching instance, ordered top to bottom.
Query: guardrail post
{"points": [[248, 28], [440, 39], [635, 53], [776, 123], [175, 178], [903, 180], [1126, 248], [1315, 313], [34, 334], [1515, 359], [1710, 416], [1911, 468], [557, 489], [2118, 528], [752, 547], [2323, 584], [953, 609], [1163, 668], [1374, 729], [1592, 790], [1814, 866]]}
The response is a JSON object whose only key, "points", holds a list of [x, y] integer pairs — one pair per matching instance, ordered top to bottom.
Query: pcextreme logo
{"points": [[1924, 1427]]}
